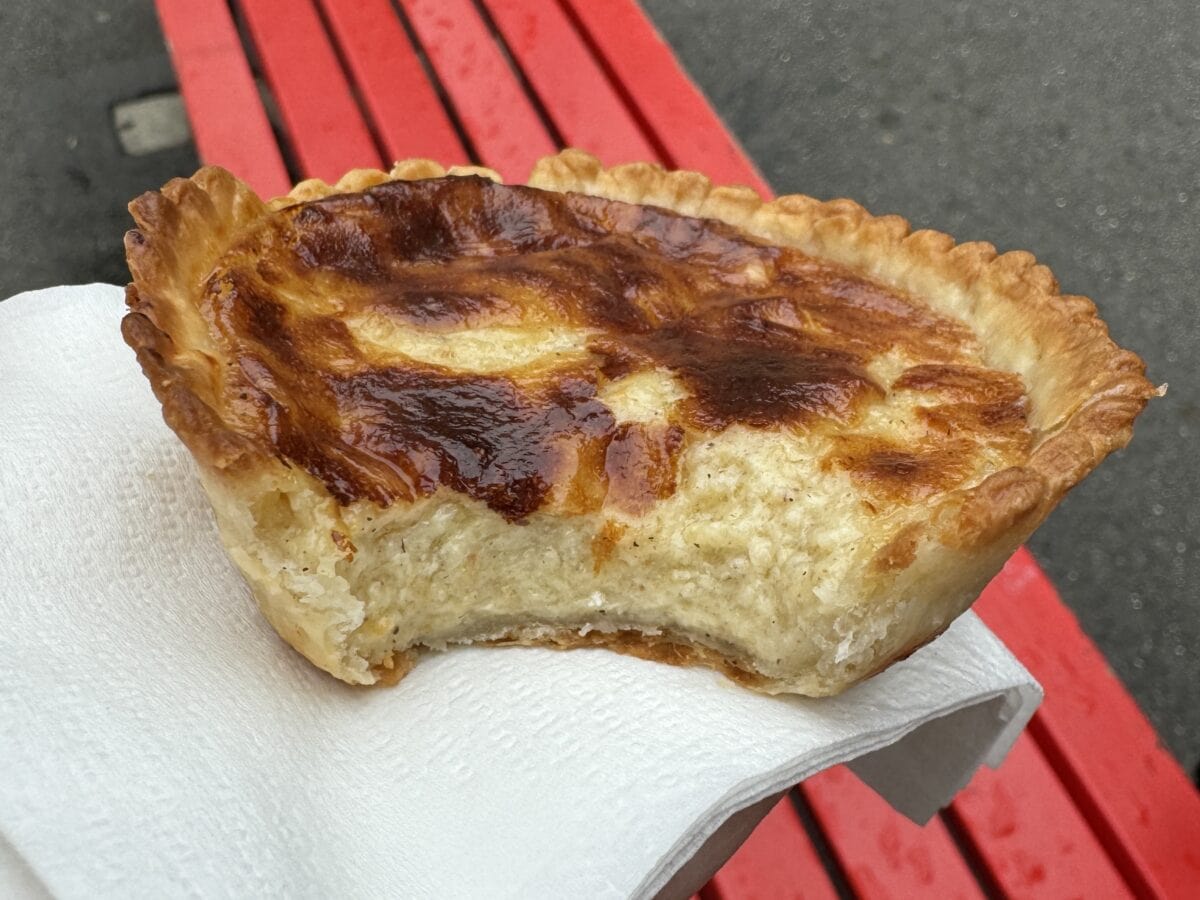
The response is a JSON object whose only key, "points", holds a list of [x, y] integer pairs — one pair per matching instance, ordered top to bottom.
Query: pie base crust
{"points": [[872, 597]]}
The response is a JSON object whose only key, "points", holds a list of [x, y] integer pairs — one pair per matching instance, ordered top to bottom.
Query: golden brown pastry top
{"points": [[361, 333], [758, 335]]}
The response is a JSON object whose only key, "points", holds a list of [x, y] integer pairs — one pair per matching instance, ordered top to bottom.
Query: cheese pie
{"points": [[612, 408]]}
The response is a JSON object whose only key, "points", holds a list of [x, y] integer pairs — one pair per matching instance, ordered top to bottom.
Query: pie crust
{"points": [[785, 439]]}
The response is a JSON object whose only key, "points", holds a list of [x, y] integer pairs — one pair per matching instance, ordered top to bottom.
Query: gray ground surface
{"points": [[1071, 129], [64, 182]]}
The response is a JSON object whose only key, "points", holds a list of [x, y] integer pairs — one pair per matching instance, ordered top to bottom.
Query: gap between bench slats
{"points": [[568, 83], [492, 105], [406, 112], [675, 113], [321, 117], [228, 121], [1133, 793], [1022, 825], [1023, 837], [883, 854], [776, 861]]}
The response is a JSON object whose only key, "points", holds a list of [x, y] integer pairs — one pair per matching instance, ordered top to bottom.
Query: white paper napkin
{"points": [[158, 739]]}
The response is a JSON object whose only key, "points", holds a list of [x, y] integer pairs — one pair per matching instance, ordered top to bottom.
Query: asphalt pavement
{"points": [[1069, 129]]}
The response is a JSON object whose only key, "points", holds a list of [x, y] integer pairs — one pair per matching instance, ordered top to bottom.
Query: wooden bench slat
{"points": [[575, 92], [491, 104], [403, 105], [675, 111], [228, 121], [325, 128], [1134, 795], [1033, 840], [883, 854], [777, 862]]}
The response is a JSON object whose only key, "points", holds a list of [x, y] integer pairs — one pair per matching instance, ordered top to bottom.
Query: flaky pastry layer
{"points": [[921, 408]]}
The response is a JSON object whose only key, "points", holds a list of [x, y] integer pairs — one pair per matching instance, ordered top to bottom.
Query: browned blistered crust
{"points": [[759, 336], [1084, 392], [1096, 392]]}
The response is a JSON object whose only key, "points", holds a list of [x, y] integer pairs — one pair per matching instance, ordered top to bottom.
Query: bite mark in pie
{"points": [[619, 408]]}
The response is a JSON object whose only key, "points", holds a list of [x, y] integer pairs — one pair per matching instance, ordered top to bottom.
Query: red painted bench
{"points": [[1087, 804]]}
